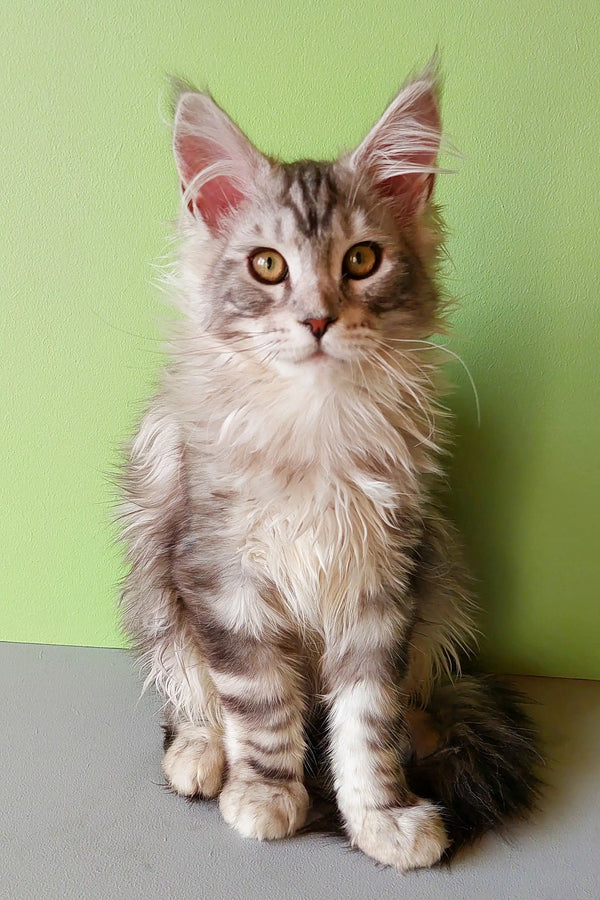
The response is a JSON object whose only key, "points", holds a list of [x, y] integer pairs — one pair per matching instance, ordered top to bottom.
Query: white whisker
{"points": [[433, 346]]}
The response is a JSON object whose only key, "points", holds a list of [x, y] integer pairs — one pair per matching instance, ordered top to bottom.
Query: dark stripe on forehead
{"points": [[309, 182], [318, 196], [331, 199], [302, 223]]}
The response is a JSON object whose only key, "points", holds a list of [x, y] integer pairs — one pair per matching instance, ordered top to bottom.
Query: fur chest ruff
{"points": [[326, 500], [327, 544]]}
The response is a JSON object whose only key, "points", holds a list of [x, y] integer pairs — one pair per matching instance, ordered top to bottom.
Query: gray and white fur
{"points": [[294, 590]]}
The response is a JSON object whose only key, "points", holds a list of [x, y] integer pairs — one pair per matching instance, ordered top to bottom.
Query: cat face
{"points": [[311, 266]]}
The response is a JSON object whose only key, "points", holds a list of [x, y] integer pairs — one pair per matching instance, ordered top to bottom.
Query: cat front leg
{"points": [[262, 698], [367, 743]]}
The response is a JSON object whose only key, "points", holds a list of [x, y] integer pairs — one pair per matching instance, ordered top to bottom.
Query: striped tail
{"points": [[482, 771]]}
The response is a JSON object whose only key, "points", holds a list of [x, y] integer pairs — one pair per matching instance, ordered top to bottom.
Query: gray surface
{"points": [[83, 813]]}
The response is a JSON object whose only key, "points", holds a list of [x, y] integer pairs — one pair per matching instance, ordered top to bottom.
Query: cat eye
{"points": [[361, 260], [267, 266]]}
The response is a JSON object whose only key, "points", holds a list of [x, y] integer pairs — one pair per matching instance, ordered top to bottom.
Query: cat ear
{"points": [[400, 151], [216, 162]]}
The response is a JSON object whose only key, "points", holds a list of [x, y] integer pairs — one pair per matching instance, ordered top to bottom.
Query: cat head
{"points": [[311, 265]]}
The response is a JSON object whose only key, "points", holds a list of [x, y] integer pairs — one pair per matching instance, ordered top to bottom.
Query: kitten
{"points": [[295, 593]]}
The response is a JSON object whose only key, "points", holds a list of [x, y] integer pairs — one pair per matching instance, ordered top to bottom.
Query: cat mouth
{"points": [[319, 355]]}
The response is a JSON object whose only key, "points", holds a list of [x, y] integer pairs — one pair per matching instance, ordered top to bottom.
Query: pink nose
{"points": [[318, 327]]}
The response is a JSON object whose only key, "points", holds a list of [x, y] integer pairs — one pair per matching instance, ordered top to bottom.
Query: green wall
{"points": [[89, 190]]}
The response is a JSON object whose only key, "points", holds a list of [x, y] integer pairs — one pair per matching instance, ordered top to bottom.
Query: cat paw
{"points": [[195, 762], [266, 810], [411, 837]]}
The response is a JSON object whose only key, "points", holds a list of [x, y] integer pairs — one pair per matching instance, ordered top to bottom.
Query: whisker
{"points": [[433, 346], [413, 384], [404, 385]]}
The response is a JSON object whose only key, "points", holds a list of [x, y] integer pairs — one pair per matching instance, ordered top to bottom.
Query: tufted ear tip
{"points": [[400, 151], [215, 160]]}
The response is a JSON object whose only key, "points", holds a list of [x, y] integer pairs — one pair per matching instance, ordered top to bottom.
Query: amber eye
{"points": [[361, 260], [268, 266]]}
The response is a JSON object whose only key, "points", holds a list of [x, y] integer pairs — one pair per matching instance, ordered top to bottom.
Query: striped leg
{"points": [[262, 699], [382, 817]]}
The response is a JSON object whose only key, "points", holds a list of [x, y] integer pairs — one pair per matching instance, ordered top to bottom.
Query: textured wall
{"points": [[88, 190]]}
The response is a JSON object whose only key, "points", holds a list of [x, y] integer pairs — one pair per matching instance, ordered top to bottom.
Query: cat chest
{"points": [[323, 544]]}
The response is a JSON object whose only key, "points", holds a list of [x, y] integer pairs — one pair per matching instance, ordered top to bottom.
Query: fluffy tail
{"points": [[480, 767]]}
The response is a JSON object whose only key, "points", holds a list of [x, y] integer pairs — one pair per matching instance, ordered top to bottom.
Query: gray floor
{"points": [[83, 813]]}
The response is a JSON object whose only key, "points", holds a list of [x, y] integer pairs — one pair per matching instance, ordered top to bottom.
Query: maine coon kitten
{"points": [[296, 596]]}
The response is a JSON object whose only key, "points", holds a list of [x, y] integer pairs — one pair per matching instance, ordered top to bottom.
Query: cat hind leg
{"points": [[194, 757], [194, 761]]}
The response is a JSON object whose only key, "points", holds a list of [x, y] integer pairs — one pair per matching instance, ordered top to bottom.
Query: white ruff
{"points": [[323, 467]]}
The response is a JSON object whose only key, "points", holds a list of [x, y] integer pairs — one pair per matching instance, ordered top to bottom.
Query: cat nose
{"points": [[318, 327]]}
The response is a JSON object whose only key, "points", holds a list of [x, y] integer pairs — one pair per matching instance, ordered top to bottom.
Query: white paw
{"points": [[194, 763], [263, 809], [410, 837]]}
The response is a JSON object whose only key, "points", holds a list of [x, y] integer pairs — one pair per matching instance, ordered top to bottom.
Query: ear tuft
{"points": [[400, 151], [217, 164]]}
